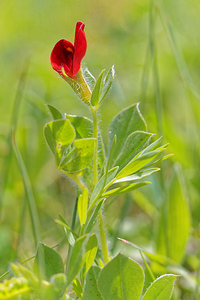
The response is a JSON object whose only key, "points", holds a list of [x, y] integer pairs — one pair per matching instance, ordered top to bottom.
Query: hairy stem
{"points": [[95, 126], [95, 170]]}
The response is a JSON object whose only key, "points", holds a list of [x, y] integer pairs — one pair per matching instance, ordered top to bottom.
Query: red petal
{"points": [[80, 46], [62, 57]]}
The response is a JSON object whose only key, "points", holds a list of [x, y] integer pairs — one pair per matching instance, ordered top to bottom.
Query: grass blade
{"points": [[29, 194]]}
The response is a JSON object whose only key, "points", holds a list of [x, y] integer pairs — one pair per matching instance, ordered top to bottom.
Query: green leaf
{"points": [[89, 78], [107, 83], [96, 93], [56, 114], [125, 123], [82, 125], [84, 129], [59, 135], [135, 143], [153, 145], [80, 157], [139, 162], [138, 175], [101, 184], [125, 189], [82, 206], [178, 218], [91, 221], [68, 231], [90, 251], [77, 259], [47, 261], [121, 279], [161, 288], [91, 291]]}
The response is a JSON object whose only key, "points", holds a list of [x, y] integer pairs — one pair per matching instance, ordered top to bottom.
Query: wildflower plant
{"points": [[90, 272]]}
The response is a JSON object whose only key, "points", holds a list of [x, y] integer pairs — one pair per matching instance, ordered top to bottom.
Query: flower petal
{"points": [[80, 46], [62, 57]]}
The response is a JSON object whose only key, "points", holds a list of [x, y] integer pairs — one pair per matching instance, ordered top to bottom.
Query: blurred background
{"points": [[156, 52]]}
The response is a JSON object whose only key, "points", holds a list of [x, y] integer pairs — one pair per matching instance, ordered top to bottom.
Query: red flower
{"points": [[67, 56]]}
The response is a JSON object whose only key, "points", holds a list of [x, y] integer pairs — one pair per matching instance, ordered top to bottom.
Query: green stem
{"points": [[95, 126], [95, 170], [78, 181], [147, 266]]}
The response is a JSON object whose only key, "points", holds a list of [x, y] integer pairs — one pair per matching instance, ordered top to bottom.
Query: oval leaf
{"points": [[126, 122], [59, 135], [48, 262], [121, 279], [161, 288]]}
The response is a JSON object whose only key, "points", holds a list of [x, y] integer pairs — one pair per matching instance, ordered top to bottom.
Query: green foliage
{"points": [[90, 79], [108, 80], [102, 86], [97, 91], [56, 114], [124, 124], [82, 125], [59, 135], [134, 144], [79, 152], [80, 157], [130, 159], [103, 181], [124, 189], [82, 206], [91, 220], [178, 221], [177, 225], [70, 234], [90, 251], [77, 259], [48, 262], [122, 278], [161, 288], [91, 290]]}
